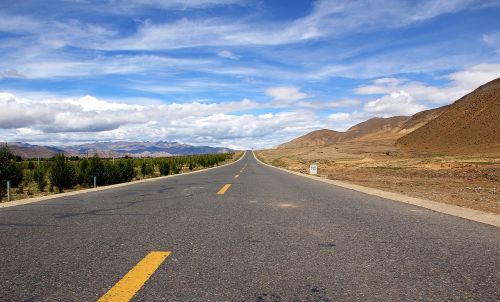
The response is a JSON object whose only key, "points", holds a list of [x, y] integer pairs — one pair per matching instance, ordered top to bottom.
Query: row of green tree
{"points": [[62, 173]]}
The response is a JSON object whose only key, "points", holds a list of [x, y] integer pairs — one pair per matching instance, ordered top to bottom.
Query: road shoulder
{"points": [[469, 214]]}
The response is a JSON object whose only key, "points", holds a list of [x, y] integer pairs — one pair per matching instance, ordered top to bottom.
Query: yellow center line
{"points": [[236, 176], [224, 189], [132, 282]]}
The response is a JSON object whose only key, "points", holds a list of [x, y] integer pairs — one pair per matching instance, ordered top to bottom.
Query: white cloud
{"points": [[327, 18], [228, 55], [59, 66], [475, 76], [461, 83], [285, 95], [397, 103], [88, 114], [340, 117], [88, 118]]}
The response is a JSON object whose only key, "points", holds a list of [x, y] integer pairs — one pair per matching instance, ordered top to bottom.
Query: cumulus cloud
{"points": [[285, 95], [396, 103], [88, 114], [340, 117], [87, 118]]}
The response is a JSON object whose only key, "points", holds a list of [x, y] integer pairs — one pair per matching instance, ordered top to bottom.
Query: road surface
{"points": [[263, 235]]}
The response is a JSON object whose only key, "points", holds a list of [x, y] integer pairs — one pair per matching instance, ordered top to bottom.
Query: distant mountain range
{"points": [[469, 125], [114, 149]]}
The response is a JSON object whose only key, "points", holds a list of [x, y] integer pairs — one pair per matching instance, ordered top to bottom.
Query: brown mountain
{"points": [[421, 118], [470, 125], [375, 128], [372, 129], [315, 138], [33, 151]]}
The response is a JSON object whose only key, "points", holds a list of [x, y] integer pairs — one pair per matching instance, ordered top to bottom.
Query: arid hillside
{"points": [[421, 118], [470, 125], [373, 129], [315, 138], [449, 154]]}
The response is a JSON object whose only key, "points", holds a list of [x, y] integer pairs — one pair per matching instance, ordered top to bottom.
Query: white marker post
{"points": [[313, 169], [95, 182], [8, 190]]}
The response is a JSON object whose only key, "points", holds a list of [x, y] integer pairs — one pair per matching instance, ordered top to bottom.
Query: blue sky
{"points": [[237, 73]]}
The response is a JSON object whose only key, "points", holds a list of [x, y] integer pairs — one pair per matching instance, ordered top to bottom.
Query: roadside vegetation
{"points": [[30, 178]]}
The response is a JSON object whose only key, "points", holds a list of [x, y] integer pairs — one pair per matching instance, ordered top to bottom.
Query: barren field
{"points": [[471, 181]]}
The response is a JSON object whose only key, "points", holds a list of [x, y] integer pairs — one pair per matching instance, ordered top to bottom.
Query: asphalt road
{"points": [[271, 236]]}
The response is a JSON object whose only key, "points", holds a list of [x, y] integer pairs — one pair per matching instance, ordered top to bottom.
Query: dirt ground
{"points": [[471, 181]]}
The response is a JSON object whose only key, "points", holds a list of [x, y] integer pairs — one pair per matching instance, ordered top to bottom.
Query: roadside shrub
{"points": [[95, 168], [164, 168], [176, 168], [9, 169], [146, 169], [126, 170], [111, 174], [62, 175], [83, 177], [39, 178]]}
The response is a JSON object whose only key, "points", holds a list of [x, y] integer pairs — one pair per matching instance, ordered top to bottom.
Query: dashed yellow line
{"points": [[236, 176], [224, 189], [132, 282]]}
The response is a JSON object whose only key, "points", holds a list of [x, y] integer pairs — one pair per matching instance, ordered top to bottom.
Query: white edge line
{"points": [[24, 201], [469, 214]]}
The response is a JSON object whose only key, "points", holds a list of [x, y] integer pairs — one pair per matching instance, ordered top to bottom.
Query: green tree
{"points": [[96, 168], [164, 168], [176, 168], [9, 169], [146, 169], [126, 170], [111, 173], [62, 175], [83, 176], [39, 178]]}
